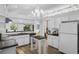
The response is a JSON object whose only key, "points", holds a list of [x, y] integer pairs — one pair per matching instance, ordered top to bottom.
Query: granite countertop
{"points": [[20, 33], [54, 34], [38, 37]]}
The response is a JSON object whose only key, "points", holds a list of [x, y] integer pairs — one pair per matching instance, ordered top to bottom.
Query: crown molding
{"points": [[64, 9]]}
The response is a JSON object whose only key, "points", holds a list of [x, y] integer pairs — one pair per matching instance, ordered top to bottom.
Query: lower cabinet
{"points": [[21, 39], [53, 41], [50, 43], [68, 43]]}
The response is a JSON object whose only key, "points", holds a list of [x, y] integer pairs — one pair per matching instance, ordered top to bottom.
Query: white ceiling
{"points": [[25, 10]]}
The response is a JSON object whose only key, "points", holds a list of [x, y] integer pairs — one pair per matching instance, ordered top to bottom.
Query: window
{"points": [[19, 27]]}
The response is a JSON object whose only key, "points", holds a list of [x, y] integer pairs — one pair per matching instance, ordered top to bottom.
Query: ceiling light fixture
{"points": [[38, 12]]}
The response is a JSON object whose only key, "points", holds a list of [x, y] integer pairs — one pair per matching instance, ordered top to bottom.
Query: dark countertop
{"points": [[70, 21], [20, 33], [54, 34], [38, 37]]}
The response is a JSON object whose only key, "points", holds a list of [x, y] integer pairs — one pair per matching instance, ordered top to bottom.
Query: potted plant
{"points": [[13, 27], [27, 27]]}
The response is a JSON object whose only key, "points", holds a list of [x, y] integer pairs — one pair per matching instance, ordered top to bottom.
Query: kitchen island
{"points": [[40, 44]]}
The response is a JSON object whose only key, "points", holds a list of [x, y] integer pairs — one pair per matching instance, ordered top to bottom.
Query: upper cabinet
{"points": [[2, 19], [2, 24]]}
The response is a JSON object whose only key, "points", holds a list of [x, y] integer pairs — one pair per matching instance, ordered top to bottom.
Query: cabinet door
{"points": [[2, 28], [68, 28], [22, 39], [26, 39], [50, 40], [55, 41], [68, 43]]}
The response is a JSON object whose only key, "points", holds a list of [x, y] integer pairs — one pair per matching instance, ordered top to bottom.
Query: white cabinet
{"points": [[2, 19], [2, 25], [2, 28], [69, 28], [68, 38], [21, 39], [50, 40], [53, 41], [68, 43]]}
